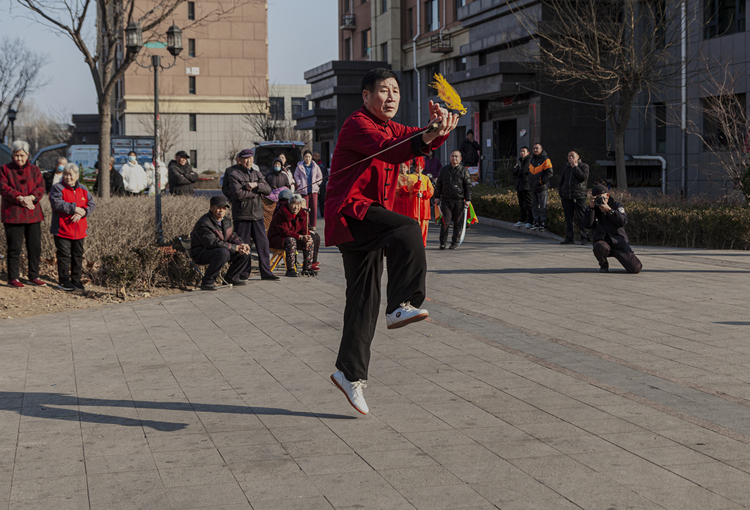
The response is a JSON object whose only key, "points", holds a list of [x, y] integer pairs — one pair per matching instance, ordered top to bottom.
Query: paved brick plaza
{"points": [[539, 383]]}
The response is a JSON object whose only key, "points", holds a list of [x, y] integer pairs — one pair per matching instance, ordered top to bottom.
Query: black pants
{"points": [[524, 204], [573, 209], [451, 211], [256, 231], [15, 233], [401, 238], [69, 259], [216, 259], [629, 261]]}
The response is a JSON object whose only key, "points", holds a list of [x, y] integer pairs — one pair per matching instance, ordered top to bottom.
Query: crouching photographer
{"points": [[607, 218]]}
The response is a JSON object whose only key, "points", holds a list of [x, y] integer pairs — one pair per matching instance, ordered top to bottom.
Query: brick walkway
{"points": [[538, 383]]}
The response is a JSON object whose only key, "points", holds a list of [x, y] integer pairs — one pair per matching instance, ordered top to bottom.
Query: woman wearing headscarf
{"points": [[308, 177], [22, 189]]}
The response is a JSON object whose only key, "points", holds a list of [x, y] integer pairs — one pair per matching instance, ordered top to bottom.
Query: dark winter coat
{"points": [[469, 152], [540, 172], [521, 173], [181, 178], [278, 180], [574, 181], [17, 182], [116, 184], [453, 184], [64, 201], [247, 205], [285, 224], [608, 227], [208, 234]]}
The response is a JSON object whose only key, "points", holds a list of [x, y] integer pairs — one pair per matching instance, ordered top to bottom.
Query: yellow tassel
{"points": [[448, 94]]}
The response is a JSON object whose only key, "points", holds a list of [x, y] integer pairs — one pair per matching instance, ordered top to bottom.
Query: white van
{"points": [[85, 156]]}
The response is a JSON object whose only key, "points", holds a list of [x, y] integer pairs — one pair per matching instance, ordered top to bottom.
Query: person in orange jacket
{"points": [[420, 191], [402, 202]]}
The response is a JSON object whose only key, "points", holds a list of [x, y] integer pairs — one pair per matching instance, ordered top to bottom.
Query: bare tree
{"points": [[612, 50], [104, 56], [19, 76], [265, 121], [170, 127], [40, 129], [236, 140]]}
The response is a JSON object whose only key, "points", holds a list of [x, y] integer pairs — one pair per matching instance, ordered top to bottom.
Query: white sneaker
{"points": [[518, 224], [528, 225], [404, 315], [352, 390]]}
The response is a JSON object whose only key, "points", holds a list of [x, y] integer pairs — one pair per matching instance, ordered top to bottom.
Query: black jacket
{"points": [[469, 152], [540, 172], [521, 173], [181, 178], [278, 180], [574, 181], [116, 184], [453, 184], [247, 205], [608, 227], [208, 234]]}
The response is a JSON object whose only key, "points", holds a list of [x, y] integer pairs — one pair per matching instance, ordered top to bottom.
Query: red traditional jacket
{"points": [[17, 182], [351, 191], [285, 224]]}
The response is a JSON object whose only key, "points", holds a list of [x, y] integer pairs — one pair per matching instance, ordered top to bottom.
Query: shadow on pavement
{"points": [[571, 270], [734, 323], [43, 405]]}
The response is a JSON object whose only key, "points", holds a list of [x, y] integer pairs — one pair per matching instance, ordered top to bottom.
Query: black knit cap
{"points": [[599, 189]]}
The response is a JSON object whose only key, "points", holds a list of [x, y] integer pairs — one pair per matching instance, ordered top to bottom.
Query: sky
{"points": [[300, 37]]}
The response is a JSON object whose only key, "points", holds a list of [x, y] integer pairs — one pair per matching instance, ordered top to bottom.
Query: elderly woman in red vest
{"points": [[22, 189], [71, 205]]}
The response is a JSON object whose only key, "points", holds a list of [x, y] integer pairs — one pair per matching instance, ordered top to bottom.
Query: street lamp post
{"points": [[134, 44], [12, 119]]}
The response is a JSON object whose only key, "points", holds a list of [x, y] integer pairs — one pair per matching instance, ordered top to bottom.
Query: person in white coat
{"points": [[133, 175], [151, 177]]}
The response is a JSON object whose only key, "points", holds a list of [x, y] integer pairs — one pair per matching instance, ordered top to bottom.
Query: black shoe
{"points": [[543, 227], [568, 241], [442, 246], [453, 246], [604, 269], [292, 273], [244, 278], [272, 278], [239, 282], [67, 286], [79, 286], [208, 286]]}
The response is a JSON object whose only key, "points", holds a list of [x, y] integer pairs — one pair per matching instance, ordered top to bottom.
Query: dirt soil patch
{"points": [[29, 301]]}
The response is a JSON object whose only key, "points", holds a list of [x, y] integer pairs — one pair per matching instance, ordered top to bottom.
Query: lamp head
{"points": [[133, 37], [174, 40]]}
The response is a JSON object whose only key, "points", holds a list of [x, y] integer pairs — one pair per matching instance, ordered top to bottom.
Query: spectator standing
{"points": [[470, 150], [432, 165], [287, 169], [540, 172], [521, 173], [133, 175], [151, 175], [181, 175], [54, 176], [276, 177], [307, 178], [116, 184], [247, 187], [22, 189], [420, 190], [573, 190], [322, 192], [453, 193], [401, 203], [71, 206], [289, 231], [214, 242]]}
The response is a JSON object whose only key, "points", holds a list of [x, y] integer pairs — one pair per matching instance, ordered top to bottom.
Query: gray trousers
{"points": [[539, 206]]}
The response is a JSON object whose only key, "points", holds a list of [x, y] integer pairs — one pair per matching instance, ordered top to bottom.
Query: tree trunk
{"points": [[105, 150]]}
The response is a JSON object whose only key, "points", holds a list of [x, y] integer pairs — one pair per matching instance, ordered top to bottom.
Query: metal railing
{"points": [[347, 22], [441, 43]]}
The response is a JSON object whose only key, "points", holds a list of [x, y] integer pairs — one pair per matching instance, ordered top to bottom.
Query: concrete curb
{"points": [[521, 230]]}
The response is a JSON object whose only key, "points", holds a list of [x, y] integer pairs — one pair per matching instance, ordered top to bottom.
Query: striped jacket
{"points": [[540, 172]]}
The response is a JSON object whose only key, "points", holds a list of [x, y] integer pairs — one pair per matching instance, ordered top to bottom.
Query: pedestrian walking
{"points": [[453, 194]]}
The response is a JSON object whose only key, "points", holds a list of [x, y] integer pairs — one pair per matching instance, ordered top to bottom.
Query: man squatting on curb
{"points": [[358, 219]]}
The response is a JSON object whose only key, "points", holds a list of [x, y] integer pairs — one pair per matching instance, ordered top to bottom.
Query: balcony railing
{"points": [[347, 22], [441, 43]]}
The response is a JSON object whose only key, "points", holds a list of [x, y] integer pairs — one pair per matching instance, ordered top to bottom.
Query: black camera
{"points": [[599, 201]]}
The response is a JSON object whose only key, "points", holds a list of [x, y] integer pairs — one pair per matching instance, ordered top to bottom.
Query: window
{"points": [[363, 2], [459, 4], [348, 6], [383, 6], [191, 10], [410, 17], [723, 17], [432, 21], [366, 42], [191, 47], [348, 48], [384, 52], [482, 59], [459, 63], [431, 70], [191, 84], [299, 105], [276, 108], [723, 118], [193, 121], [660, 127], [194, 159]]}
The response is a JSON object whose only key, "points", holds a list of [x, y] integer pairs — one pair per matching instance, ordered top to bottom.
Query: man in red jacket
{"points": [[360, 195]]}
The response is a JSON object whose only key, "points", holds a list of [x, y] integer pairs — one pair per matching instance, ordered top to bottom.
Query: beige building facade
{"points": [[219, 79]]}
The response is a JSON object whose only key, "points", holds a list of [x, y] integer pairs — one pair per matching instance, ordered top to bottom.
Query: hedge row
{"points": [[656, 222]]}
